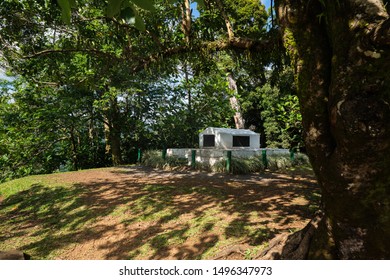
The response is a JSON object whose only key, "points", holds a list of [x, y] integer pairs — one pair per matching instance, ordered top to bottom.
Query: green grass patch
{"points": [[21, 184], [39, 215]]}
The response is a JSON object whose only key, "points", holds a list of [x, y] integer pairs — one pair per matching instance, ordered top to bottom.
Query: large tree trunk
{"points": [[186, 20], [341, 53], [235, 104], [112, 131], [74, 146]]}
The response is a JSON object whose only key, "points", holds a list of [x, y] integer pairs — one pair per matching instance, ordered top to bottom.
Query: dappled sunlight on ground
{"points": [[142, 213]]}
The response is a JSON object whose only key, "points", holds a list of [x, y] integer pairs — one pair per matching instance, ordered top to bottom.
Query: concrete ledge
{"points": [[211, 156]]}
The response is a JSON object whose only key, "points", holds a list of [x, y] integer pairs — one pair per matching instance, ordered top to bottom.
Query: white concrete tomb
{"points": [[228, 138]]}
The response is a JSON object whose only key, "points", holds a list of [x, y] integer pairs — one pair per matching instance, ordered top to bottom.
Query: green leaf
{"points": [[172, 1], [72, 3], [145, 4], [200, 4], [113, 7], [65, 10], [128, 15], [131, 16], [139, 23]]}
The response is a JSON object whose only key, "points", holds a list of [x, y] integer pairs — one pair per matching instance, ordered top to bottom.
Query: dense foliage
{"points": [[90, 93]]}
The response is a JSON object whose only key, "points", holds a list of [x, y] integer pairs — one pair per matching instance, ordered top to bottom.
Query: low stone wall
{"points": [[211, 156]]}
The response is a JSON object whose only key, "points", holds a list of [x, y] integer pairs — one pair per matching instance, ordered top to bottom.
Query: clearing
{"points": [[135, 212]]}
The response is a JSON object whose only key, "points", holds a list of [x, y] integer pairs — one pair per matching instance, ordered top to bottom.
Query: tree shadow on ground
{"points": [[179, 215]]}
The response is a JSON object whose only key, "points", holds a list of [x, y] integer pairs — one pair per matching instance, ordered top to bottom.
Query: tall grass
{"points": [[153, 158], [239, 165]]}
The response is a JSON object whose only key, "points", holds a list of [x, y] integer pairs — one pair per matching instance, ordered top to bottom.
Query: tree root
{"points": [[293, 246], [232, 250]]}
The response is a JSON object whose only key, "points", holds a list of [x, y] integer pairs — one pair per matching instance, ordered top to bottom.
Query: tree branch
{"points": [[186, 20], [227, 20], [381, 34], [211, 46], [51, 51]]}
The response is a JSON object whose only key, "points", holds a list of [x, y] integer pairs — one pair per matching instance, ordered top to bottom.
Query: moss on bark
{"points": [[343, 86]]}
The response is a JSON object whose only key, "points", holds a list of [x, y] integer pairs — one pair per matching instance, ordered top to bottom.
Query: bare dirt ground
{"points": [[273, 202], [134, 212]]}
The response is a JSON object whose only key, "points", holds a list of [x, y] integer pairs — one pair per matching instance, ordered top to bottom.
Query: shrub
{"points": [[153, 158], [301, 159], [279, 162], [283, 162], [255, 164], [240, 165], [204, 166], [219, 166]]}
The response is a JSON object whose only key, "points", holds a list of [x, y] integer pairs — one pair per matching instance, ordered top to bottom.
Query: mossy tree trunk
{"points": [[341, 54]]}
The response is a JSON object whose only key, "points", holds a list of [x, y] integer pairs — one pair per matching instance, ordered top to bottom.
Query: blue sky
{"points": [[267, 3], [3, 76]]}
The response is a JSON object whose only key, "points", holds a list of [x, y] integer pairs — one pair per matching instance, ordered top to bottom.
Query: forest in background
{"points": [[91, 93]]}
